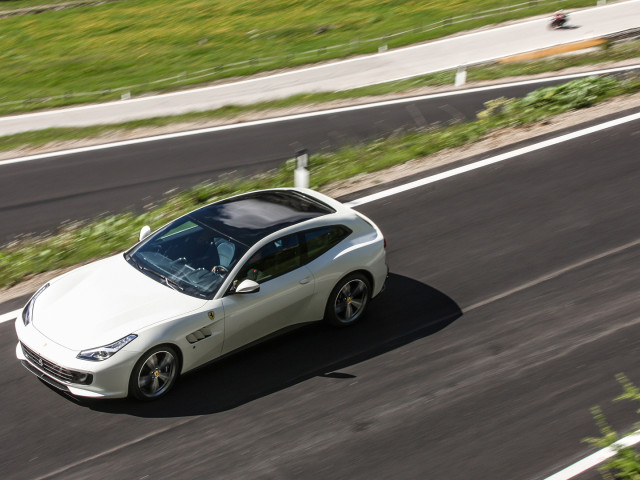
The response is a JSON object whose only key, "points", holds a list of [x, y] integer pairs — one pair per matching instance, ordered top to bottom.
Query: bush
{"points": [[625, 465]]}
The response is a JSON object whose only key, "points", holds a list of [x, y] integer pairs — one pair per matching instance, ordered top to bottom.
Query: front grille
{"points": [[56, 371], [44, 377]]}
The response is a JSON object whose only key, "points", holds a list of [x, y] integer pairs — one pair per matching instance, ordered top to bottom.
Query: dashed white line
{"points": [[552, 275], [118, 447]]}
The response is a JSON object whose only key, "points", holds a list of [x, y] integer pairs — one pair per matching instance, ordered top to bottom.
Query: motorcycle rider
{"points": [[559, 19]]}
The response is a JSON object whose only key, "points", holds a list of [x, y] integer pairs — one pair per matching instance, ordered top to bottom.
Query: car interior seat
{"points": [[226, 250]]}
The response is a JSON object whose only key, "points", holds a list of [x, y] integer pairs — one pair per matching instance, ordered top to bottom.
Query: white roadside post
{"points": [[461, 76], [301, 174]]}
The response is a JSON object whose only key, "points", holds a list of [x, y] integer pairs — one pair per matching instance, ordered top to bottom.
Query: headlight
{"points": [[27, 312], [102, 353]]}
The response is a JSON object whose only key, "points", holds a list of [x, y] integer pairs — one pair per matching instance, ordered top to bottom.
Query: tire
{"points": [[348, 300], [154, 373]]}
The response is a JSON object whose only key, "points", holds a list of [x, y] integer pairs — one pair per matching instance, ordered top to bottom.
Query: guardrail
{"points": [[276, 61]]}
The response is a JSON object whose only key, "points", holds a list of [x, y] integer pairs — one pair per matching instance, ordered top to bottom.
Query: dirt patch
{"points": [[495, 140]]}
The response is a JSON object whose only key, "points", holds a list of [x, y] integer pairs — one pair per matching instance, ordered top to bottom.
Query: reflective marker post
{"points": [[461, 76], [301, 174]]}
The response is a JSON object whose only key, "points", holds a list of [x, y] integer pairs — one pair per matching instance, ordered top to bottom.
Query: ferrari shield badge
{"points": [[212, 315]]}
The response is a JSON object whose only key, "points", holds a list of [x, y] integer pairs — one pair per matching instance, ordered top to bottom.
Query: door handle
{"points": [[305, 280]]}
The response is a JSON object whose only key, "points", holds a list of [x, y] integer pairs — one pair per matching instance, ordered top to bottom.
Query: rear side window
{"points": [[320, 240], [288, 253], [274, 259]]}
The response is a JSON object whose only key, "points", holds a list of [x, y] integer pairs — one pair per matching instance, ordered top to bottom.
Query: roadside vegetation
{"points": [[102, 50], [609, 53], [78, 243], [625, 465]]}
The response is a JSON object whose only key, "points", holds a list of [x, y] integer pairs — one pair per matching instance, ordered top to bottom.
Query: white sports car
{"points": [[215, 280]]}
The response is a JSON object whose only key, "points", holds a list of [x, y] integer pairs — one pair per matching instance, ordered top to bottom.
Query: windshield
{"points": [[188, 256]]}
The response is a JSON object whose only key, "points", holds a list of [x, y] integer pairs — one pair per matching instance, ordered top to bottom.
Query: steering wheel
{"points": [[220, 270]]}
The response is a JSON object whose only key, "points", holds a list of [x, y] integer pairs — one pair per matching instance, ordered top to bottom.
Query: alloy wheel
{"points": [[351, 301]]}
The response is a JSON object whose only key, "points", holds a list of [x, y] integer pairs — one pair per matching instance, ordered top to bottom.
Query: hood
{"points": [[104, 301]]}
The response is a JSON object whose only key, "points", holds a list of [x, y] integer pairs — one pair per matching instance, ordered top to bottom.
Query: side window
{"points": [[320, 240], [274, 259]]}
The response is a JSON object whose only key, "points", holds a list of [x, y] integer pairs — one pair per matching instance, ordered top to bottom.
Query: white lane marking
{"points": [[331, 64], [299, 116], [490, 161], [552, 275], [7, 317], [117, 448], [595, 458]]}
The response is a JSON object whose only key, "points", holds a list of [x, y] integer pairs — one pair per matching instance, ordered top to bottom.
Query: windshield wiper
{"points": [[135, 262], [167, 281], [170, 283]]}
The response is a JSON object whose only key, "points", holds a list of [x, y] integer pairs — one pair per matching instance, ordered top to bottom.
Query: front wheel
{"points": [[348, 300], [154, 373]]}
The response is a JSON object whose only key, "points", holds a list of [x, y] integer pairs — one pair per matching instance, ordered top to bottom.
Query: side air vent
{"points": [[198, 335]]}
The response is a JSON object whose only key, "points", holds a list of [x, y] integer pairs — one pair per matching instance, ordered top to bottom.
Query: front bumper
{"points": [[59, 367], [101, 386]]}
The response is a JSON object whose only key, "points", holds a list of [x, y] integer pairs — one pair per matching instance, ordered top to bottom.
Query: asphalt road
{"points": [[37, 196], [512, 303]]}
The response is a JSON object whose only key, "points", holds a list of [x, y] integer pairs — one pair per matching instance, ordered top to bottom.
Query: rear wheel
{"points": [[348, 300], [154, 374]]}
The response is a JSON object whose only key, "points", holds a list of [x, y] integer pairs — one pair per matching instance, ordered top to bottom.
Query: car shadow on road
{"points": [[407, 311]]}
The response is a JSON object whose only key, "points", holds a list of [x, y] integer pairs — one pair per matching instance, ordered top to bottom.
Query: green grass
{"points": [[130, 44], [613, 53], [78, 243], [625, 465]]}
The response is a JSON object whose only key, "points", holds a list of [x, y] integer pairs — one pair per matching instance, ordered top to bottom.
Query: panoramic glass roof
{"points": [[250, 217]]}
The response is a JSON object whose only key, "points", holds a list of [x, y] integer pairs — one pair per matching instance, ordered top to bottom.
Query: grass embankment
{"points": [[129, 46], [612, 53], [75, 244]]}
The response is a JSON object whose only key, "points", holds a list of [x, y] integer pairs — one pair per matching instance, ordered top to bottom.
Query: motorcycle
{"points": [[558, 20]]}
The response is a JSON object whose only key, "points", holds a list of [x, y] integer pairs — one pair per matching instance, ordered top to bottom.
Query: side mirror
{"points": [[144, 232], [247, 286]]}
